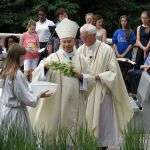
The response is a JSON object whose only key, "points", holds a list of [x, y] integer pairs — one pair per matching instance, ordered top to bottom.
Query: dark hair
{"points": [[43, 8], [60, 11], [98, 17], [125, 17], [129, 30], [15, 39]]}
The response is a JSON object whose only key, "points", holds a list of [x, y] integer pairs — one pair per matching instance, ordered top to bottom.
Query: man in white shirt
{"points": [[42, 29]]}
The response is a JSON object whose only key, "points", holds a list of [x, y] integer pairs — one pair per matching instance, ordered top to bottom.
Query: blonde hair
{"points": [[31, 23]]}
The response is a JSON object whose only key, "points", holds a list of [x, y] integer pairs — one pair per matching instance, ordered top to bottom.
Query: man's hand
{"points": [[119, 56], [45, 65], [146, 68], [79, 75], [97, 78], [45, 94]]}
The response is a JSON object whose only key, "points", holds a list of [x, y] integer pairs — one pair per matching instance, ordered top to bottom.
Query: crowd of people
{"points": [[98, 93]]}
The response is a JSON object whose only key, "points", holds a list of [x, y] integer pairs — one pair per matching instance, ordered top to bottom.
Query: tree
{"points": [[15, 13]]}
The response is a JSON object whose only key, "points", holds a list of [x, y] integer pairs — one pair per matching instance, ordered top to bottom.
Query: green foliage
{"points": [[112, 10], [15, 13], [65, 68], [78, 138], [135, 138], [15, 139], [84, 140]]}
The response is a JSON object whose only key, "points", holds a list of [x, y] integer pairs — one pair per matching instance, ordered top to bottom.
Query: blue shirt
{"points": [[121, 40], [147, 61]]}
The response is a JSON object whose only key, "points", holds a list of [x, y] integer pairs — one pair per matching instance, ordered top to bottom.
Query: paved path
{"points": [[143, 116]]}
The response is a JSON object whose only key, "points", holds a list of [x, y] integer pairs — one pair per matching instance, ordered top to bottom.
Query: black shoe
{"points": [[138, 103], [102, 148]]}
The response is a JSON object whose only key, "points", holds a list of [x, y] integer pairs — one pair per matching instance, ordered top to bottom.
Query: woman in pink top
{"points": [[30, 41]]}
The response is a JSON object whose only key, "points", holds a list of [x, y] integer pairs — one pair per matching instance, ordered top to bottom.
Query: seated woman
{"points": [[133, 77]]}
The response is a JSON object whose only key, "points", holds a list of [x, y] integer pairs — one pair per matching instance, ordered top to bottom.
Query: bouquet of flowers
{"points": [[66, 68]]}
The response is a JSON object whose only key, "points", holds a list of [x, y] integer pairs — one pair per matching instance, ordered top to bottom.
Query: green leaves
{"points": [[15, 12], [65, 68], [134, 138], [61, 139]]}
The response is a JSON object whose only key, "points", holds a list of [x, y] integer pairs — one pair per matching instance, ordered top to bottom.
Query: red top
{"points": [[31, 43]]}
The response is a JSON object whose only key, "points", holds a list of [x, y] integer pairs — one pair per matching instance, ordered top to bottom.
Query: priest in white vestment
{"points": [[67, 107], [108, 108]]}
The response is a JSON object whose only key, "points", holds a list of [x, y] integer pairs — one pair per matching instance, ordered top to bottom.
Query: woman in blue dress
{"points": [[143, 39]]}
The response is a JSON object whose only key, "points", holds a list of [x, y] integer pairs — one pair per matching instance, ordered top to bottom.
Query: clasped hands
{"points": [[80, 76]]}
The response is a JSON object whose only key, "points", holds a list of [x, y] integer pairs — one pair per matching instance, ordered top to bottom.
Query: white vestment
{"points": [[67, 107], [108, 108]]}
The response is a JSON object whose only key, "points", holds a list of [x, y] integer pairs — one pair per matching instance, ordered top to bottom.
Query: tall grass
{"points": [[134, 138], [16, 139], [64, 139], [84, 140]]}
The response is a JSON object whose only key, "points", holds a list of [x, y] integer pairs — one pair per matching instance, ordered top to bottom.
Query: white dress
{"points": [[15, 97]]}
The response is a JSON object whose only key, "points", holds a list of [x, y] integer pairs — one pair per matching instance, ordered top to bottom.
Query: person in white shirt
{"points": [[42, 29]]}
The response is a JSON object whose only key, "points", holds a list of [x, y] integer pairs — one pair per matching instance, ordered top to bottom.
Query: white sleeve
{"points": [[51, 23], [39, 74], [109, 77], [22, 91]]}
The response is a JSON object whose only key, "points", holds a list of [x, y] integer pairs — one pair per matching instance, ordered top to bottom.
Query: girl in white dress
{"points": [[16, 94]]}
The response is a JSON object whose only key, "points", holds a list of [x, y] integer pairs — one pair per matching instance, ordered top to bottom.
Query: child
{"points": [[30, 41], [15, 91]]}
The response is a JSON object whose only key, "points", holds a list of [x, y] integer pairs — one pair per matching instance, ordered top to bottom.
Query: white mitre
{"points": [[67, 28], [88, 28]]}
